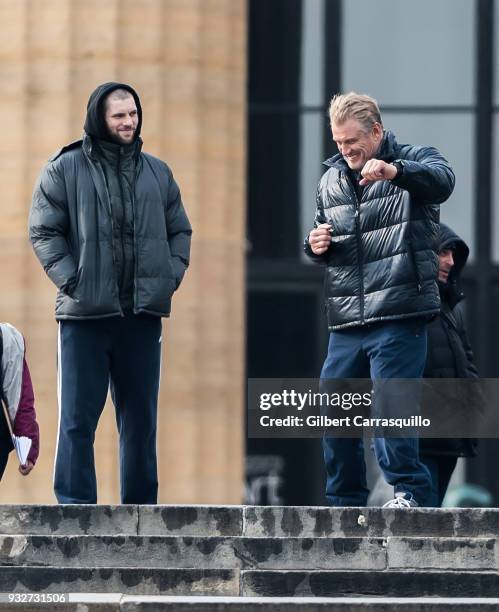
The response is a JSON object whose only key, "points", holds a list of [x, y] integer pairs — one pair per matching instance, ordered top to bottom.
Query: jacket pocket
{"points": [[169, 262]]}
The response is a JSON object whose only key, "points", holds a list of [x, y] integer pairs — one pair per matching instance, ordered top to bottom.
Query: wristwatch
{"points": [[400, 169]]}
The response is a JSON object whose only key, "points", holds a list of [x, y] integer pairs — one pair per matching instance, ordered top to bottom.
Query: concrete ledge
{"points": [[68, 520], [121, 520], [191, 520], [248, 521], [301, 521], [194, 552], [286, 552], [442, 553], [453, 554], [119, 580], [389, 583], [114, 602], [305, 604]]}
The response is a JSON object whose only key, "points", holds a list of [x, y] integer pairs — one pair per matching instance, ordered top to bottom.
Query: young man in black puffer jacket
{"points": [[109, 227], [449, 355]]}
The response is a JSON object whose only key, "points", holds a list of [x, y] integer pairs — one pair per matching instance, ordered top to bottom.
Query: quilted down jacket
{"points": [[71, 230], [382, 262]]}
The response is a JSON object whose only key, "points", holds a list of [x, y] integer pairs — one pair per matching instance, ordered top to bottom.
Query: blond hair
{"points": [[354, 106]]}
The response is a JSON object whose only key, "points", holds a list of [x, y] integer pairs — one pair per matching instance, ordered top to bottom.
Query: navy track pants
{"points": [[123, 353]]}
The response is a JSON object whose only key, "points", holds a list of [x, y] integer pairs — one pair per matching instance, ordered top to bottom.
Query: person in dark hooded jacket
{"points": [[109, 228], [449, 355]]}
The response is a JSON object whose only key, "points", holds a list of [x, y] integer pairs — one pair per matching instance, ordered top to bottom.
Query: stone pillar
{"points": [[187, 60]]}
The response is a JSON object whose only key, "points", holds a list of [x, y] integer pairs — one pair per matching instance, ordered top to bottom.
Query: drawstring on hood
{"points": [[95, 123]]}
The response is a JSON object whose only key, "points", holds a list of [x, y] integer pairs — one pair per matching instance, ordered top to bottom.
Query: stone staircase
{"points": [[217, 558]]}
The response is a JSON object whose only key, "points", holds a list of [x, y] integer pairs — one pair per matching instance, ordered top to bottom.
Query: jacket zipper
{"points": [[103, 179], [356, 204], [123, 219], [135, 250], [412, 257]]}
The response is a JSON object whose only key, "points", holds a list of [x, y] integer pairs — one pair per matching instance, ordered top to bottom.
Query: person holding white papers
{"points": [[18, 426]]}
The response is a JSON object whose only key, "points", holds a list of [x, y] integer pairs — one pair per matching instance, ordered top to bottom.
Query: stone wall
{"points": [[187, 60]]}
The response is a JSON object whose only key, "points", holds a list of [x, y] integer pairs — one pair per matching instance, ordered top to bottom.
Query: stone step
{"points": [[121, 520], [250, 521], [303, 521], [188, 552], [193, 552], [133, 581], [249, 583], [390, 583], [114, 602], [307, 604]]}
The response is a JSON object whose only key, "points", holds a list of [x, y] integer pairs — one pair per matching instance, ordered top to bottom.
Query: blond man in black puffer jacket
{"points": [[376, 231]]}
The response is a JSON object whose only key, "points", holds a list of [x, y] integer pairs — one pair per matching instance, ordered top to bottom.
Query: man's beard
{"points": [[116, 138]]}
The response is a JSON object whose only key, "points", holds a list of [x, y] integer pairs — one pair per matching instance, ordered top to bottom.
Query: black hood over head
{"points": [[95, 124], [448, 239]]}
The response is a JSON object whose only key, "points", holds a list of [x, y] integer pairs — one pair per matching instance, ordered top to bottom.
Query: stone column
{"points": [[187, 60]]}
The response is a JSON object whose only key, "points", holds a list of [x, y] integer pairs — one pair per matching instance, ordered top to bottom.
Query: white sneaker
{"points": [[401, 500]]}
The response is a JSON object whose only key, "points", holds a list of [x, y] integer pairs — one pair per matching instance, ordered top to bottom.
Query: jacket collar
{"points": [[91, 150], [113, 152], [387, 152], [450, 294]]}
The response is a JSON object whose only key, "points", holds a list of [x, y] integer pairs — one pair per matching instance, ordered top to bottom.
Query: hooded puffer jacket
{"points": [[118, 163], [71, 228], [382, 262], [449, 353]]}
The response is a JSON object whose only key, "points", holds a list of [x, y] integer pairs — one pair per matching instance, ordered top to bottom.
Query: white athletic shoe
{"points": [[401, 500]]}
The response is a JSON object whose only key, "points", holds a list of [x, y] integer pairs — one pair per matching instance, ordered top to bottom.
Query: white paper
{"points": [[22, 444]]}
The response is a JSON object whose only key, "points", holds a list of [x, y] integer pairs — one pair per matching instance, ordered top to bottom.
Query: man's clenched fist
{"points": [[377, 170], [320, 238]]}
